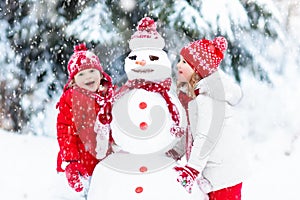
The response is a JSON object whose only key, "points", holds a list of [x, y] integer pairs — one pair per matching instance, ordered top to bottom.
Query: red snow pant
{"points": [[230, 193]]}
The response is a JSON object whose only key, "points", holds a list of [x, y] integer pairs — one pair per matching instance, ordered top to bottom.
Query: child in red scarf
{"points": [[84, 113]]}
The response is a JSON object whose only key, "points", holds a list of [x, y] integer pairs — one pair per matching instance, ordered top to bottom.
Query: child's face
{"points": [[184, 71], [88, 79]]}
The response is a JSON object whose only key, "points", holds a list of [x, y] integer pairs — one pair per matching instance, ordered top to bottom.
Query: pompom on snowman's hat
{"points": [[146, 36], [204, 56]]}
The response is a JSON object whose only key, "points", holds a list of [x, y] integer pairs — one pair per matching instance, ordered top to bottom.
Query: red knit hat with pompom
{"points": [[146, 36], [204, 56], [83, 59]]}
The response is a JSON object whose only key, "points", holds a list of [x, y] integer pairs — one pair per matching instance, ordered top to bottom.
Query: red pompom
{"points": [[147, 24], [220, 43], [80, 47]]}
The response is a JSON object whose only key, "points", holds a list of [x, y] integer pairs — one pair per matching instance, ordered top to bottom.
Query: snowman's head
{"points": [[147, 59], [149, 64]]}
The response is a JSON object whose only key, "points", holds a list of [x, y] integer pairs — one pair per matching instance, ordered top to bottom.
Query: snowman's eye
{"points": [[132, 57], [152, 58]]}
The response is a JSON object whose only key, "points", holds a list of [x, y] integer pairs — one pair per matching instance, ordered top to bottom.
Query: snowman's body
{"points": [[142, 122], [141, 128], [111, 184]]}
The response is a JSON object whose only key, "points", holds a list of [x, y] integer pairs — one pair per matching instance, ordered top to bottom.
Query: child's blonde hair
{"points": [[189, 87]]}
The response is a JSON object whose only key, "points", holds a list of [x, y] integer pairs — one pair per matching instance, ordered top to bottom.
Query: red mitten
{"points": [[74, 172], [187, 177]]}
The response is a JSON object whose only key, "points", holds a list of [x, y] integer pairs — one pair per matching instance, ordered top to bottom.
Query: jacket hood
{"points": [[221, 87]]}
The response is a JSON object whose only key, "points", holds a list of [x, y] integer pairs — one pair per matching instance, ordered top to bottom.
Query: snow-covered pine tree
{"points": [[290, 10], [252, 28], [35, 33], [40, 36], [8, 84], [11, 94]]}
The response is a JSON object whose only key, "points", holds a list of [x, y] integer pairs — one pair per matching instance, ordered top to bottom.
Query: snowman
{"points": [[148, 120]]}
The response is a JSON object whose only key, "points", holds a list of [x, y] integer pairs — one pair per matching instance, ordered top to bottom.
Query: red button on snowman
{"points": [[148, 120]]}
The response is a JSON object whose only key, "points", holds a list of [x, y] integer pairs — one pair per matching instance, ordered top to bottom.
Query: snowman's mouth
{"points": [[143, 70]]}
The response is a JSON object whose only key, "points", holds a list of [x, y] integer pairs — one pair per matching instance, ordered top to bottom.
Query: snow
{"points": [[128, 5], [190, 15], [102, 32], [268, 113], [271, 132]]}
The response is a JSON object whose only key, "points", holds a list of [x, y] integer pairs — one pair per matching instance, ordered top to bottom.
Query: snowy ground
{"points": [[268, 115], [28, 170]]}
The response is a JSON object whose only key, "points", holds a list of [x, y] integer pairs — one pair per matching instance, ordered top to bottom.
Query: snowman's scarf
{"points": [[159, 87]]}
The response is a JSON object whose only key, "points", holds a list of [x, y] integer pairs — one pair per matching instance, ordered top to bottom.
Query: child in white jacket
{"points": [[217, 151]]}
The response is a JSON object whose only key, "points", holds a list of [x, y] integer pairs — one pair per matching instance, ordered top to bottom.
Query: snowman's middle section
{"points": [[141, 122]]}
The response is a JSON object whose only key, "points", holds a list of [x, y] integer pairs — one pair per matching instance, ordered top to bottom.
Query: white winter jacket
{"points": [[217, 150]]}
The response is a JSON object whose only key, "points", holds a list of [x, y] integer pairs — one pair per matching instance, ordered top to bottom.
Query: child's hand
{"points": [[173, 154], [74, 172], [187, 177]]}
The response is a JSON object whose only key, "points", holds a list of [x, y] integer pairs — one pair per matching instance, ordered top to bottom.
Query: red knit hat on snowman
{"points": [[146, 36], [204, 56], [83, 59]]}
